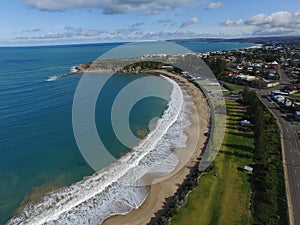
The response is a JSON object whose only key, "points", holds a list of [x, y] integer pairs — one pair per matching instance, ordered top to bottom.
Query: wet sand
{"points": [[159, 192]]}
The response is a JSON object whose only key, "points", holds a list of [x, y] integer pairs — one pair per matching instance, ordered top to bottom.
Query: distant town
{"points": [[274, 65]]}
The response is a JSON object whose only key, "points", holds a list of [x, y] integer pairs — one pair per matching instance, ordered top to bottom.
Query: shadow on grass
{"points": [[235, 106], [233, 112], [237, 115], [230, 119], [232, 122], [231, 126], [241, 134], [239, 147], [237, 154], [249, 175]]}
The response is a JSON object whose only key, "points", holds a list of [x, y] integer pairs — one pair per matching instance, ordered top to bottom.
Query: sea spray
{"points": [[116, 189]]}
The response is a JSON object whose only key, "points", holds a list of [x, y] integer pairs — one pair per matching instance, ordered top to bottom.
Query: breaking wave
{"points": [[73, 69], [119, 187]]}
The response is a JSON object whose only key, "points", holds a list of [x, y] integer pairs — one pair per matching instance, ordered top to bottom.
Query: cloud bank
{"points": [[109, 6], [277, 23]]}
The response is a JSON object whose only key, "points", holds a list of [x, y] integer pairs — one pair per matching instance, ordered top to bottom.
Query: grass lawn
{"points": [[233, 87], [295, 96], [223, 199]]}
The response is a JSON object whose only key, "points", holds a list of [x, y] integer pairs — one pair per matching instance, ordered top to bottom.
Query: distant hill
{"points": [[256, 40]]}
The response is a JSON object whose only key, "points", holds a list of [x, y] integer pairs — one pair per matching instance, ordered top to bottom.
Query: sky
{"points": [[46, 22]]}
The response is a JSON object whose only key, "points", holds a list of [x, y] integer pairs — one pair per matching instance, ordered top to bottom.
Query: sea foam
{"points": [[73, 69], [52, 78], [119, 187]]}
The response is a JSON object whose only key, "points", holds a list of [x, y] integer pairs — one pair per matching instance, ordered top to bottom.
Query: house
{"points": [[274, 65], [249, 78], [258, 83], [264, 83], [272, 83], [292, 88]]}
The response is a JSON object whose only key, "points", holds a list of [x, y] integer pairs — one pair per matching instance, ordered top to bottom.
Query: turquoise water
{"points": [[37, 146]]}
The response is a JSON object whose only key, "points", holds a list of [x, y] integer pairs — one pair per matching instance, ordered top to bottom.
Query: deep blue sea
{"points": [[38, 151]]}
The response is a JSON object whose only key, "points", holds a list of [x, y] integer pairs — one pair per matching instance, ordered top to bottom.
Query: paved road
{"points": [[283, 77], [291, 156]]}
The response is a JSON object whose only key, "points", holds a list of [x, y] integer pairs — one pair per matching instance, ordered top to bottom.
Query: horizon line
{"points": [[167, 40]]}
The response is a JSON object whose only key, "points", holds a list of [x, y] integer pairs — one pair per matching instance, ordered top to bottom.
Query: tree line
{"points": [[268, 201]]}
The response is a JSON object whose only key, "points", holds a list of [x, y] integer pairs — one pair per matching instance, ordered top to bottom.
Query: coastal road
{"points": [[291, 156]]}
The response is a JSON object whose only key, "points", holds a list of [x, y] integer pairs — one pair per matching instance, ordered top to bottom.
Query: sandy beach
{"points": [[159, 192]]}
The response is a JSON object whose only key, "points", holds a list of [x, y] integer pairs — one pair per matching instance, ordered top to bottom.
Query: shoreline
{"points": [[109, 65], [159, 192]]}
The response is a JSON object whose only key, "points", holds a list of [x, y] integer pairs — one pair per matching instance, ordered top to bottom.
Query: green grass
{"points": [[232, 87], [295, 95], [223, 199]]}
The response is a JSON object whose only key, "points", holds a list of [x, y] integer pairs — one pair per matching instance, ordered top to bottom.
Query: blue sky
{"points": [[39, 22]]}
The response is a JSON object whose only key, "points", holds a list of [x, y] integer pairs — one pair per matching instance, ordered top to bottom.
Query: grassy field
{"points": [[232, 87], [295, 95], [223, 199]]}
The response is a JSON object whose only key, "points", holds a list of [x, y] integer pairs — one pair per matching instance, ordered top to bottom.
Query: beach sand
{"points": [[159, 192]]}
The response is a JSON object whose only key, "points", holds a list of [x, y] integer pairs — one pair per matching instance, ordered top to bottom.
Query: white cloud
{"points": [[214, 5], [109, 6], [259, 19], [276, 19], [189, 22], [230, 22], [277, 23], [134, 28], [77, 31], [70, 32], [82, 35], [162, 35]]}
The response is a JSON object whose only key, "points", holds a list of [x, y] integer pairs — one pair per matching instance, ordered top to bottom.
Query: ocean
{"points": [[38, 151]]}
